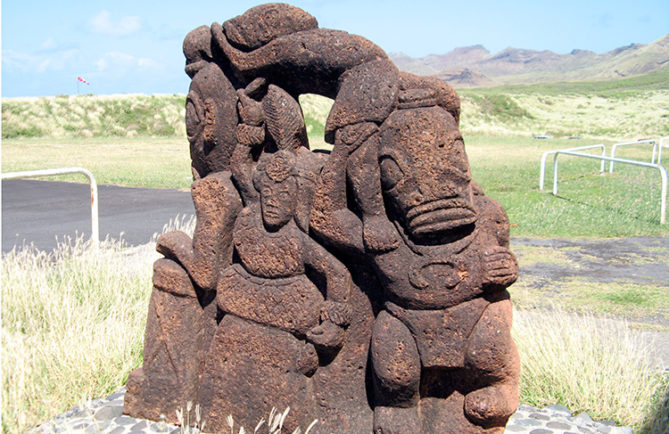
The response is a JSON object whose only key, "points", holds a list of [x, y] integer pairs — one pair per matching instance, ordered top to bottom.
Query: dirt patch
{"points": [[624, 277]]}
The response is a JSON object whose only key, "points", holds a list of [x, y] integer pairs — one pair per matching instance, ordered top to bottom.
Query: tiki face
{"points": [[424, 171], [274, 179], [277, 201]]}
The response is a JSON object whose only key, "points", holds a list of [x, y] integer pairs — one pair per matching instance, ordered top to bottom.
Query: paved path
{"points": [[39, 211], [106, 416]]}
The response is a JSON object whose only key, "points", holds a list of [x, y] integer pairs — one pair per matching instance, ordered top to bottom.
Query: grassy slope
{"points": [[620, 109]]}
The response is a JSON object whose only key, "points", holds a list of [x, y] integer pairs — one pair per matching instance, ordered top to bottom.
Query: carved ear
{"points": [[211, 118]]}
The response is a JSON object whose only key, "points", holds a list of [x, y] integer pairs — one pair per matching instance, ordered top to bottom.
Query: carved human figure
{"points": [[268, 298], [442, 340]]}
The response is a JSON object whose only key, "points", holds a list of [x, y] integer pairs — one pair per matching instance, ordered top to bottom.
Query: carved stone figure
{"points": [[364, 288]]}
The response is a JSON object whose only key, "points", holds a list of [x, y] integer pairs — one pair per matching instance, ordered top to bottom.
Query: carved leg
{"points": [[217, 204], [378, 233], [173, 347], [492, 354], [396, 374]]}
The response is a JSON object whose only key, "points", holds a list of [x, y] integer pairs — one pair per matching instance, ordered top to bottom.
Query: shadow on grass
{"points": [[658, 419]]}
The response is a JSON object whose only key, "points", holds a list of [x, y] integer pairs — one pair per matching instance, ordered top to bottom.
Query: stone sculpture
{"points": [[364, 288]]}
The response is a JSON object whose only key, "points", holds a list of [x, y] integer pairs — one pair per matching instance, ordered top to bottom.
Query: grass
{"points": [[614, 109], [94, 116], [498, 125], [158, 162], [625, 203], [574, 280], [645, 305], [73, 324], [72, 327], [588, 363]]}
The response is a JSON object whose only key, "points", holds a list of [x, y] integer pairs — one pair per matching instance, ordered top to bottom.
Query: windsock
{"points": [[82, 80]]}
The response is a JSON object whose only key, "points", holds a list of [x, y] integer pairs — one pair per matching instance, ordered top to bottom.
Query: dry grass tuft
{"points": [[72, 324], [587, 363]]}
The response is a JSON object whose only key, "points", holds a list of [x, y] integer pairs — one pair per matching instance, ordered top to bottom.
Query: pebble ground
{"points": [[106, 416]]}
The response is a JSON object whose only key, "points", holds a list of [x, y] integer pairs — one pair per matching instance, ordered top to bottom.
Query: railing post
{"points": [[638, 142], [659, 152], [542, 169], [555, 174], [663, 174], [95, 228]]}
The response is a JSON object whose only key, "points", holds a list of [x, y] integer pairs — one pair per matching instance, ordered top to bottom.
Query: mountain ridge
{"points": [[524, 66]]}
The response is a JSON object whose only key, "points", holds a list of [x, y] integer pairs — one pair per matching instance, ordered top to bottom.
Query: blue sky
{"points": [[127, 46]]}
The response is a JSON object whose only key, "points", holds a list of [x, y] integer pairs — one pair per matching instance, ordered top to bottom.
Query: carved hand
{"points": [[352, 136], [499, 266], [338, 313], [327, 335]]}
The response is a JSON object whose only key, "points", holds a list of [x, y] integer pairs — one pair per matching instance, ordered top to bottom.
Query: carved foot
{"points": [[492, 405], [396, 420]]}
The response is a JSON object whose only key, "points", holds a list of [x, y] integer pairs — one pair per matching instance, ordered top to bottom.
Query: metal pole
{"points": [[613, 150], [659, 152], [542, 169], [555, 174], [663, 175], [95, 229]]}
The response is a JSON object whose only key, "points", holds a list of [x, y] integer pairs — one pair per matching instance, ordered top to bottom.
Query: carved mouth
{"points": [[440, 215]]}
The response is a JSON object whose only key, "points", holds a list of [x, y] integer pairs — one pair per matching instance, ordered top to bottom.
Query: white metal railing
{"points": [[638, 142], [662, 145], [542, 170], [663, 174], [95, 229]]}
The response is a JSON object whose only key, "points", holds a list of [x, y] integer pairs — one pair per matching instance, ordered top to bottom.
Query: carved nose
{"points": [[447, 190]]}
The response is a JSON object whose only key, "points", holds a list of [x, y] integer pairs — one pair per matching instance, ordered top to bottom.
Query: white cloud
{"points": [[102, 23], [48, 44], [55, 61], [121, 62], [146, 63]]}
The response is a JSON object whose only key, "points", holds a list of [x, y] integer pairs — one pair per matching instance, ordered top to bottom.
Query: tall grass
{"points": [[73, 324], [588, 363]]}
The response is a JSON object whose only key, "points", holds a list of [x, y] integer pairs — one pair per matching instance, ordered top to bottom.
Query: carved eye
{"points": [[192, 118], [460, 158], [391, 173]]}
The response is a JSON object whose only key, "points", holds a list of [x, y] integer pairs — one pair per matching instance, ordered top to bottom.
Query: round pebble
{"points": [[105, 416]]}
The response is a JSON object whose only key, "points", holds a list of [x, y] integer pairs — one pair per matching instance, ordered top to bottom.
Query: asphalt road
{"points": [[40, 212]]}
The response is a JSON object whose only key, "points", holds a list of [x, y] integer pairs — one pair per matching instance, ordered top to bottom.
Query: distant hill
{"points": [[519, 66]]}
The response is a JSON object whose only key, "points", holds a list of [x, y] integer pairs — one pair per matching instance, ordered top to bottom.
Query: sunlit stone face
{"points": [[424, 171], [277, 201]]}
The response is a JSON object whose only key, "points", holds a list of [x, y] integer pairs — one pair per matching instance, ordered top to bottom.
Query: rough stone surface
{"points": [[365, 288]]}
